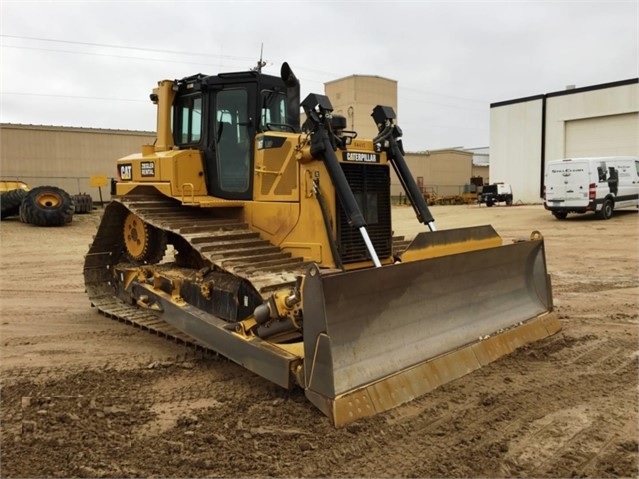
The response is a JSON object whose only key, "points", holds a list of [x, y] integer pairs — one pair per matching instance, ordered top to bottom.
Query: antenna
{"points": [[260, 62]]}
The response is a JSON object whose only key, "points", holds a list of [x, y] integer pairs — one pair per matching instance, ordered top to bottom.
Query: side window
{"points": [[188, 112], [273, 112], [232, 140], [637, 167], [601, 172]]}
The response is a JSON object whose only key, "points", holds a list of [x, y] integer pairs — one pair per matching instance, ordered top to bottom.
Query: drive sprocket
{"points": [[143, 242]]}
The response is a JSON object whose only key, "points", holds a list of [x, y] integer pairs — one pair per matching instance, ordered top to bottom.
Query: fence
{"points": [[439, 191]]}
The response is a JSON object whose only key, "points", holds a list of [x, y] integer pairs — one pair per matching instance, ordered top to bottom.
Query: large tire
{"points": [[10, 202], [83, 203], [47, 206], [560, 215]]}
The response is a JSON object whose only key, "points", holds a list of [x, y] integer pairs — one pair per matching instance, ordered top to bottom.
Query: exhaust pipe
{"points": [[292, 94]]}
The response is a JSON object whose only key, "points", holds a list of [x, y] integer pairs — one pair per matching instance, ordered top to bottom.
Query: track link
{"points": [[227, 244]]}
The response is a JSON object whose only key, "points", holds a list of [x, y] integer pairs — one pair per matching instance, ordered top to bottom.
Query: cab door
{"points": [[233, 133]]}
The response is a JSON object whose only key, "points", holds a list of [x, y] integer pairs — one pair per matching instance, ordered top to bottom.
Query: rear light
{"points": [[592, 191], [544, 192]]}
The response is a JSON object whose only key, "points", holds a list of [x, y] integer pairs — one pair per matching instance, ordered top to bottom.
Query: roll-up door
{"points": [[602, 136]]}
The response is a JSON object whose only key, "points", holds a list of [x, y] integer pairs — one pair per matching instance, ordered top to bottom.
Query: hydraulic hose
{"points": [[321, 147], [396, 158], [327, 225]]}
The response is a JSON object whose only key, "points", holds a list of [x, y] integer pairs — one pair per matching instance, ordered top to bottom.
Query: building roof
{"points": [[360, 76], [567, 91], [23, 126]]}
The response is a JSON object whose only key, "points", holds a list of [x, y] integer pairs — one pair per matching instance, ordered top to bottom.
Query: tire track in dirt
{"points": [[134, 404], [501, 426]]}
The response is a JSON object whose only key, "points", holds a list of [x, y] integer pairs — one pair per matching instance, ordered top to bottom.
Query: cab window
{"points": [[273, 112], [188, 118]]}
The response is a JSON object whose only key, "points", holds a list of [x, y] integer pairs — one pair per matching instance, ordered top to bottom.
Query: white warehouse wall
{"points": [[607, 105], [600, 120], [515, 147]]}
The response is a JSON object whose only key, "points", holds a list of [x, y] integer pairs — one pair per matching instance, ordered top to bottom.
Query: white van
{"points": [[578, 185]]}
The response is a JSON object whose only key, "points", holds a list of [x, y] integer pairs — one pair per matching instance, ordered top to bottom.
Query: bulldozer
{"points": [[267, 239]]}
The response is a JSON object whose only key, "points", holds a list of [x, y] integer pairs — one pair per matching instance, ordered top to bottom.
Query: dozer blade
{"points": [[379, 337]]}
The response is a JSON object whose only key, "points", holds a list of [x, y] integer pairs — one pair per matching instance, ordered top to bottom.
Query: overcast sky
{"points": [[93, 64]]}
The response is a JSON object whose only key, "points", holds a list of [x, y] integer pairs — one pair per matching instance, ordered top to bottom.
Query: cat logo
{"points": [[125, 171]]}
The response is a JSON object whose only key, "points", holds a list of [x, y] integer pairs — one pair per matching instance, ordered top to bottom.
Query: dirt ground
{"points": [[85, 396]]}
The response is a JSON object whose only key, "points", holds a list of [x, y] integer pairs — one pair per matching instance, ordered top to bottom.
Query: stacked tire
{"points": [[10, 202], [83, 203], [47, 206]]}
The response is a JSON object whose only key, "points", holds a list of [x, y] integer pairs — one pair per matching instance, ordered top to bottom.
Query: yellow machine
{"points": [[12, 192], [271, 243]]}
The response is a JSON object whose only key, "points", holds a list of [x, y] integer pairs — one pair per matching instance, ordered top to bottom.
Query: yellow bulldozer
{"points": [[242, 231]]}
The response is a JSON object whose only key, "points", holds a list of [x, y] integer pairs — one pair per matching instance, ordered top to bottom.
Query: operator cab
{"points": [[220, 116]]}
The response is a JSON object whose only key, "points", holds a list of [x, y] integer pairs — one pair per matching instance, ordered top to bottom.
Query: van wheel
{"points": [[606, 209], [560, 215]]}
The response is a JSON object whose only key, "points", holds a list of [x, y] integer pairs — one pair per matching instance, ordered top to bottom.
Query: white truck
{"points": [[600, 185]]}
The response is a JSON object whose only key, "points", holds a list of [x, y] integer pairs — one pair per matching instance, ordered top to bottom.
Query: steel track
{"points": [[226, 244]]}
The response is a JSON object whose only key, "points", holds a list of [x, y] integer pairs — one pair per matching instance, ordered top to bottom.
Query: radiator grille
{"points": [[371, 186]]}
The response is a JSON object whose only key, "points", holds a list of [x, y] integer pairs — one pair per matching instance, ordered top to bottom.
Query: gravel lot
{"points": [[86, 396]]}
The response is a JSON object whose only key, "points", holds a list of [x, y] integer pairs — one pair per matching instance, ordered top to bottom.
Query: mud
{"points": [[86, 396]]}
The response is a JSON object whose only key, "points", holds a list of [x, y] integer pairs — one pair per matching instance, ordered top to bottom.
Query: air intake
{"points": [[371, 186]]}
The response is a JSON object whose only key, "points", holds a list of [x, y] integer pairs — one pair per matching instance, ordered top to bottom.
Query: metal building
{"points": [[354, 97], [525, 133], [63, 156], [440, 172], [444, 172]]}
